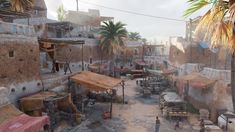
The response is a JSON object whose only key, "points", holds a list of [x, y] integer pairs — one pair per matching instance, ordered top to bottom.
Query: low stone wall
{"points": [[16, 29], [189, 68], [215, 74], [19, 90]]}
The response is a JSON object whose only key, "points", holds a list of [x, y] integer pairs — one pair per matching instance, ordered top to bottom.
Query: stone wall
{"points": [[73, 53], [196, 54], [19, 56]]}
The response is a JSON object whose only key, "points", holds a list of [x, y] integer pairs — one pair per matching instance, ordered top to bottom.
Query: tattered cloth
{"points": [[141, 63], [97, 66], [124, 70], [169, 71], [197, 80], [96, 82], [35, 102], [13, 120]]}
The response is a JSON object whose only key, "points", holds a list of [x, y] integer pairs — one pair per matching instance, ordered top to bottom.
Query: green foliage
{"points": [[195, 5], [61, 13], [134, 36], [112, 37], [144, 40]]}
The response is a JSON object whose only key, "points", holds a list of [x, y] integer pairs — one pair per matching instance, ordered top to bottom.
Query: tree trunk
{"points": [[233, 74], [233, 79]]}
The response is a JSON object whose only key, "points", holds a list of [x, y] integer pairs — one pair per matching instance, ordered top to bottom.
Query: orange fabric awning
{"points": [[169, 71], [197, 80], [96, 82]]}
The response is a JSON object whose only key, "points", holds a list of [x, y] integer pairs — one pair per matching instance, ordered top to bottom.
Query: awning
{"points": [[204, 45], [141, 63], [97, 66], [117, 69], [169, 71], [155, 72], [197, 80], [96, 82], [171, 97], [35, 101], [13, 120]]}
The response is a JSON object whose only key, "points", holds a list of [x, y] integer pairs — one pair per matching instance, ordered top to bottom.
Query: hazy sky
{"points": [[150, 28]]}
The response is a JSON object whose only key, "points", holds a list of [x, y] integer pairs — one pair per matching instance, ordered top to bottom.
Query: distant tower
{"points": [[77, 4]]}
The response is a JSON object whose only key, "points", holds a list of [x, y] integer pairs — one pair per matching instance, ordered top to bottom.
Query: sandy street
{"points": [[136, 116]]}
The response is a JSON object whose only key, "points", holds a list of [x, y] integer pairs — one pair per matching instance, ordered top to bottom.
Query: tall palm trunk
{"points": [[233, 75], [233, 79]]}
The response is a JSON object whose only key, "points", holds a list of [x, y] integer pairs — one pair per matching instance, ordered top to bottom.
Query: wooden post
{"points": [[190, 39], [82, 59], [123, 92], [111, 105], [226, 123]]}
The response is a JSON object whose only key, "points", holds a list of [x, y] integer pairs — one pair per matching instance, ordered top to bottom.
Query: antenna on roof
{"points": [[77, 5]]}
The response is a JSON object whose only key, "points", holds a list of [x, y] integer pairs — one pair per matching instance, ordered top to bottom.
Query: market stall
{"points": [[98, 83], [172, 105], [58, 106], [13, 120]]}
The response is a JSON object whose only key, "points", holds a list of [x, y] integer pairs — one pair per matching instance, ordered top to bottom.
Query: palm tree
{"points": [[17, 5], [21, 5], [61, 13], [218, 25], [134, 36], [112, 37], [144, 40]]}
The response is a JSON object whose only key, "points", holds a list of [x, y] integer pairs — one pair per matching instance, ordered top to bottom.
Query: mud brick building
{"points": [[19, 56]]}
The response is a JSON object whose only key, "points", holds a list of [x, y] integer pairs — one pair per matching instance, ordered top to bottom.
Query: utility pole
{"points": [[77, 5], [190, 38]]}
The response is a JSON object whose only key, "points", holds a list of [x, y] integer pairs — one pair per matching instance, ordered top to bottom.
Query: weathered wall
{"points": [[91, 18], [73, 53], [196, 54], [176, 56], [19, 57], [23, 64], [214, 99]]}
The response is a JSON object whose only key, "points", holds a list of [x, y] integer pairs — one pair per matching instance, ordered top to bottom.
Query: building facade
{"points": [[20, 71]]}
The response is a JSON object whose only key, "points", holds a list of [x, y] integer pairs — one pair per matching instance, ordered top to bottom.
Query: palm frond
{"points": [[21, 5], [195, 5], [232, 13], [112, 37]]}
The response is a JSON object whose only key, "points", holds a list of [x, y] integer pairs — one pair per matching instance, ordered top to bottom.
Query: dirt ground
{"points": [[136, 116]]}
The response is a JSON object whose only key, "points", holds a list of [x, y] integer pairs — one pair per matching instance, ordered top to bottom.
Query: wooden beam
{"points": [[63, 42], [123, 92]]}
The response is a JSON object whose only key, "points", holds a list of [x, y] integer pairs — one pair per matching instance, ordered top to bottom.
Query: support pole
{"points": [[77, 5], [190, 38], [82, 59], [123, 92], [111, 105], [226, 123]]}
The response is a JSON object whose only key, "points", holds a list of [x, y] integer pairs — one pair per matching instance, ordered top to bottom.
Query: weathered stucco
{"points": [[194, 54], [19, 56]]}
